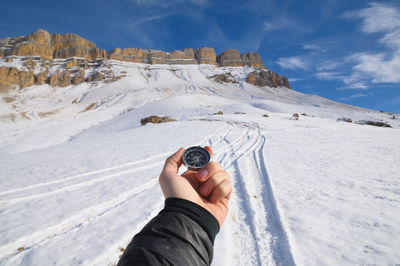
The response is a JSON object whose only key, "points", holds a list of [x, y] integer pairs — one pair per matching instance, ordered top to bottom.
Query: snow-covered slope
{"points": [[79, 173]]}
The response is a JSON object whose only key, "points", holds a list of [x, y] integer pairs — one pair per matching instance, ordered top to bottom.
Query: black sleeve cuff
{"points": [[197, 213]]}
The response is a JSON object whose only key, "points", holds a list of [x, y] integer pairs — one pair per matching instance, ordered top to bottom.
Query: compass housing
{"points": [[195, 158]]}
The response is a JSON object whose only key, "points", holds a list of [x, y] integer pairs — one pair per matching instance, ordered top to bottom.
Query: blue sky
{"points": [[345, 50]]}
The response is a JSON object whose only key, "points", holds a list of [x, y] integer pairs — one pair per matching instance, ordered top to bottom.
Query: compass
{"points": [[195, 158]]}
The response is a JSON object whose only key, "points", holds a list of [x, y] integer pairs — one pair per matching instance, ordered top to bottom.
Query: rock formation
{"points": [[51, 46], [39, 49], [267, 78], [156, 119]]}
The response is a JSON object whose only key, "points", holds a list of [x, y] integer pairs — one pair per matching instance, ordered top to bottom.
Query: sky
{"points": [[344, 50]]}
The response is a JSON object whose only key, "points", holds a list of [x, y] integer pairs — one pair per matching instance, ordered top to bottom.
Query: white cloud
{"points": [[169, 3], [151, 18], [285, 22], [294, 62], [329, 65], [383, 66], [329, 75], [356, 95]]}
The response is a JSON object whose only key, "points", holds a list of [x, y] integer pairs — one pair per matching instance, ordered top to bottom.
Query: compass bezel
{"points": [[192, 149]]}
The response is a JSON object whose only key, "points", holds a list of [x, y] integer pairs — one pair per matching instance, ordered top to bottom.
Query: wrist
{"points": [[195, 212]]}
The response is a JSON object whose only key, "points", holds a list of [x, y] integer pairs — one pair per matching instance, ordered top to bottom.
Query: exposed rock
{"points": [[37, 43], [69, 45], [49, 46], [42, 47], [129, 54], [205, 55], [182, 57], [230, 57], [253, 60], [11, 76], [96, 76], [41, 77], [78, 77], [224, 78], [267, 78], [60, 79], [219, 113], [265, 115], [295, 116], [156, 119], [344, 119], [373, 123]]}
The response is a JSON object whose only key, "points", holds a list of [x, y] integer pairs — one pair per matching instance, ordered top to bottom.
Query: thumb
{"points": [[173, 163]]}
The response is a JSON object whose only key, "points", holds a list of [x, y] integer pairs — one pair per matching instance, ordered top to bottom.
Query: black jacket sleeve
{"points": [[182, 233]]}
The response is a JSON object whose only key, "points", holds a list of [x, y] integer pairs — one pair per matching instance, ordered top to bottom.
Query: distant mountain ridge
{"points": [[52, 46], [67, 59]]}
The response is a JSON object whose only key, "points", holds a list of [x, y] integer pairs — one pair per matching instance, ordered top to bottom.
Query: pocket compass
{"points": [[195, 158]]}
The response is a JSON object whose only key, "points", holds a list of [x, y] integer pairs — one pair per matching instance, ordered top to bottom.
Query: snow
{"points": [[76, 186]]}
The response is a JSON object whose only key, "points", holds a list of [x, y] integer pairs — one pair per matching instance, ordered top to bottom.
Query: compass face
{"points": [[195, 158]]}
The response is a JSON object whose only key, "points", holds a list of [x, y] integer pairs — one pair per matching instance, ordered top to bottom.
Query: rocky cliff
{"points": [[53, 46], [40, 50]]}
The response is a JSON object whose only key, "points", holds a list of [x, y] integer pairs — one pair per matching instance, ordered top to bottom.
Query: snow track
{"points": [[255, 219]]}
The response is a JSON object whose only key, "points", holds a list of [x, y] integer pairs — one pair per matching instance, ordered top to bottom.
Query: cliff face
{"points": [[52, 46], [40, 48]]}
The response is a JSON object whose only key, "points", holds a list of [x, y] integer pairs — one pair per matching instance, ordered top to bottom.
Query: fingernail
{"points": [[202, 174]]}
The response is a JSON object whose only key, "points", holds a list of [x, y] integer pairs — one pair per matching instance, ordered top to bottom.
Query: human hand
{"points": [[210, 187]]}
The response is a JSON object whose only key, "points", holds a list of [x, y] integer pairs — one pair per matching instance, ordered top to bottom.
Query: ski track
{"points": [[244, 156], [66, 179], [78, 185], [86, 216]]}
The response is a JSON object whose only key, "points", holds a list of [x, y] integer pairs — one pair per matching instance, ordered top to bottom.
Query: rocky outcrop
{"points": [[37, 43], [70, 45], [50, 46], [40, 48], [129, 54], [206, 55], [230, 57], [233, 58], [10, 77], [224, 78], [267, 78], [60, 79], [156, 119], [345, 119], [373, 123]]}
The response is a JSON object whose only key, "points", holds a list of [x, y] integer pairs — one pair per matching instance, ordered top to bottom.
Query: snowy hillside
{"points": [[79, 173]]}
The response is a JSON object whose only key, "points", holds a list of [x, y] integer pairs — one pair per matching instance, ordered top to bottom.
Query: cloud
{"points": [[162, 3], [151, 18], [284, 22], [294, 62], [382, 67], [329, 75], [355, 96]]}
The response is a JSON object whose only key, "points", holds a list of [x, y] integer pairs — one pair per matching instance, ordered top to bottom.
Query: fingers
{"points": [[208, 148], [173, 163], [210, 169], [217, 186], [223, 190]]}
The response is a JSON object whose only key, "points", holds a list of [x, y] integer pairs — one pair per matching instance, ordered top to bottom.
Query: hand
{"points": [[210, 187]]}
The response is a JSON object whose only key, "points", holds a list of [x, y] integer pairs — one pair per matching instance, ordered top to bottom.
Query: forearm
{"points": [[182, 233]]}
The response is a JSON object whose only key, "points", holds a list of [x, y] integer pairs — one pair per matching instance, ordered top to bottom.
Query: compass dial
{"points": [[195, 157]]}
